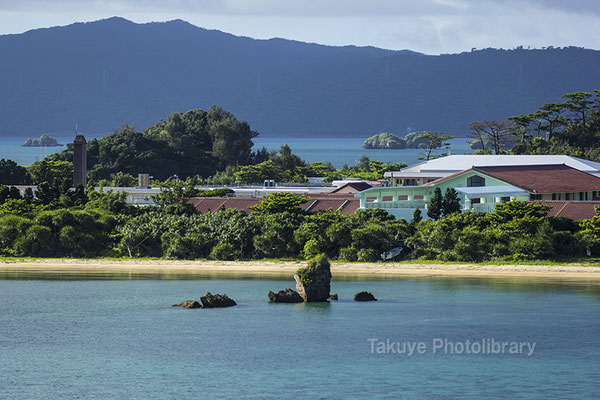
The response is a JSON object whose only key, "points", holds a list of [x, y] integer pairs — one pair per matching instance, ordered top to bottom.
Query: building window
{"points": [[475, 181], [409, 182], [594, 195], [553, 196], [567, 196], [581, 196], [419, 197], [535, 197], [388, 198], [403, 198], [371, 199], [505, 199], [476, 201]]}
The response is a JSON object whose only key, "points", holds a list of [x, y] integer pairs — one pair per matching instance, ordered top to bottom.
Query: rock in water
{"points": [[313, 281], [285, 296], [364, 296], [333, 297], [216, 300], [188, 304]]}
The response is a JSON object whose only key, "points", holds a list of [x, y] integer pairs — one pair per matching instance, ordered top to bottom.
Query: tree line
{"points": [[571, 127], [60, 221], [103, 225]]}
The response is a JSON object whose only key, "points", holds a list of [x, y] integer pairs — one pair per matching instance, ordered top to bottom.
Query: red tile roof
{"points": [[544, 178], [557, 178], [358, 186], [331, 195], [212, 204], [325, 204], [345, 204], [350, 207], [575, 210]]}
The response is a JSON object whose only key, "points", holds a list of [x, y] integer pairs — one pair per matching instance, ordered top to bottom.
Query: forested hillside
{"points": [[104, 74]]}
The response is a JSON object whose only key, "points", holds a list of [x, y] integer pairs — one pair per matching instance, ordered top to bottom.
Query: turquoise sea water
{"points": [[10, 148], [338, 151], [106, 338]]}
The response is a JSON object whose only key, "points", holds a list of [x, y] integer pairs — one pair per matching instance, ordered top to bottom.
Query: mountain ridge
{"points": [[104, 74]]}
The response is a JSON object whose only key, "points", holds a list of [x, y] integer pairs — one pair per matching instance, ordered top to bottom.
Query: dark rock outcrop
{"points": [[313, 281], [285, 296], [364, 296], [333, 297], [216, 300], [188, 304]]}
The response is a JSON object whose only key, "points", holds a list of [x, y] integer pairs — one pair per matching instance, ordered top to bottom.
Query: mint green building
{"points": [[481, 188]]}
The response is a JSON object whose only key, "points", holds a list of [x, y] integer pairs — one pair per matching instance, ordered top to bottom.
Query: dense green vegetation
{"points": [[571, 127], [197, 142], [287, 167], [61, 221], [103, 225]]}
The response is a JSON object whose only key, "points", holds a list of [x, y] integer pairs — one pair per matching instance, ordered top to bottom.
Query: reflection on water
{"points": [[442, 283]]}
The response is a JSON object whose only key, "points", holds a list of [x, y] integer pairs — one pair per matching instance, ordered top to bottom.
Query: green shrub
{"points": [[37, 241], [188, 247], [311, 248], [224, 251], [348, 254], [367, 255], [520, 257], [316, 266]]}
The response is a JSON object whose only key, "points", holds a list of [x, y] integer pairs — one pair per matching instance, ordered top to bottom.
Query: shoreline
{"points": [[286, 269]]}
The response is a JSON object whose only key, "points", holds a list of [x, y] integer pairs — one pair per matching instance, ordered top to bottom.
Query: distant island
{"points": [[43, 140], [384, 140], [387, 140]]}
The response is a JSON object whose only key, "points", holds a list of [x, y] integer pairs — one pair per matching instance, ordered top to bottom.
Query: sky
{"points": [[427, 26]]}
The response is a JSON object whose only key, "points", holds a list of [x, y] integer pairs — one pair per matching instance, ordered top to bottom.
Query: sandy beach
{"points": [[285, 269]]}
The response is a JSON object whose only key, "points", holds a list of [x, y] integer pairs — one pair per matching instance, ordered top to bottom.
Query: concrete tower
{"points": [[79, 160]]}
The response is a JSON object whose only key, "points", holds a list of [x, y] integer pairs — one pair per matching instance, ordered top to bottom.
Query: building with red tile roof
{"points": [[353, 187], [480, 188], [344, 204], [576, 210]]}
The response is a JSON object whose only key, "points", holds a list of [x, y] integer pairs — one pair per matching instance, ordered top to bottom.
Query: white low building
{"points": [[429, 171], [143, 196]]}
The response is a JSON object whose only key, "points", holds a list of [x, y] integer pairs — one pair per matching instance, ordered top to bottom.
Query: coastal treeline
{"points": [[570, 127], [60, 221], [101, 224]]}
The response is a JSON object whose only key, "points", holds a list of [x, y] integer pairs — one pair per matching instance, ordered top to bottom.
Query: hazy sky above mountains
{"points": [[428, 26]]}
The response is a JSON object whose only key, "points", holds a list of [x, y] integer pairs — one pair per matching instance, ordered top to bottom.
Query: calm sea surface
{"points": [[338, 151], [120, 338]]}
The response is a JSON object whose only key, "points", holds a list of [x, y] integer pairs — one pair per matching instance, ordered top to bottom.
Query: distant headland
{"points": [[43, 140]]}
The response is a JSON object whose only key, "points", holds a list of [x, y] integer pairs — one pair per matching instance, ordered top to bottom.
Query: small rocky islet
{"points": [[42, 141], [313, 284], [364, 296], [209, 301]]}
